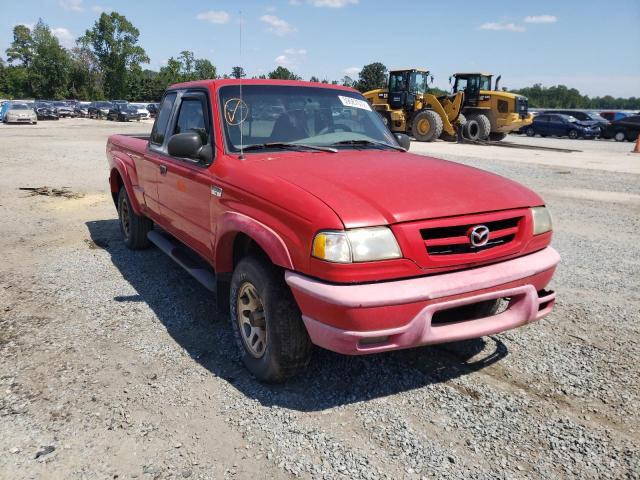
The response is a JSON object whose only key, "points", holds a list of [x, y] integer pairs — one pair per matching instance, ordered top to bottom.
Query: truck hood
{"points": [[373, 187]]}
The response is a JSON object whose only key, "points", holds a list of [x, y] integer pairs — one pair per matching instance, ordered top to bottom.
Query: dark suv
{"points": [[99, 109], [123, 113], [559, 125], [627, 128]]}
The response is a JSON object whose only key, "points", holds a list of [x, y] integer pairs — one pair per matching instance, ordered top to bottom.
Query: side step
{"points": [[185, 257]]}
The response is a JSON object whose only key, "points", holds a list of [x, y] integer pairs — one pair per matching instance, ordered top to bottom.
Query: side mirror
{"points": [[403, 140], [188, 145]]}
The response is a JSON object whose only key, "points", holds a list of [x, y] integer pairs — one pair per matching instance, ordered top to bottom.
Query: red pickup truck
{"points": [[313, 225]]}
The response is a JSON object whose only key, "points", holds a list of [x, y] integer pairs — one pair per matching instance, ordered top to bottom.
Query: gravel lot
{"points": [[115, 364]]}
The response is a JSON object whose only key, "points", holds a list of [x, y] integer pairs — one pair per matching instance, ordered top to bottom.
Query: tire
{"points": [[427, 126], [485, 126], [471, 129], [530, 132], [573, 134], [496, 136], [631, 137], [134, 227], [279, 347]]}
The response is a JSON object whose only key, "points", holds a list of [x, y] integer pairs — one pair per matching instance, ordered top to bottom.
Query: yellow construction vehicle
{"points": [[406, 106], [490, 113]]}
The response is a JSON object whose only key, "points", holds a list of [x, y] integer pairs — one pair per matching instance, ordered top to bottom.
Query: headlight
{"points": [[541, 220], [357, 245]]}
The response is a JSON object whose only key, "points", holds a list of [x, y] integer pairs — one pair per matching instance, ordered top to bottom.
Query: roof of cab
{"points": [[217, 83]]}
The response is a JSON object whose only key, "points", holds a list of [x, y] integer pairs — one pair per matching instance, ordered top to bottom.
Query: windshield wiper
{"points": [[368, 142], [289, 146]]}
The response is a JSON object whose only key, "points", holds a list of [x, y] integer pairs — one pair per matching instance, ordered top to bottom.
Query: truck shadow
{"points": [[188, 312]]}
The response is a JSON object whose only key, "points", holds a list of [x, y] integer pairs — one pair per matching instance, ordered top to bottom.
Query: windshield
{"points": [[419, 82], [60, 104], [19, 106], [129, 108], [300, 115]]}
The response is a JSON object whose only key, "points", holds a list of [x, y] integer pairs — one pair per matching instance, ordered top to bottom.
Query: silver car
{"points": [[20, 113]]}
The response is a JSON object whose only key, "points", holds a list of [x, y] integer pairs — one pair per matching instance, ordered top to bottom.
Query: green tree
{"points": [[114, 41], [21, 49], [187, 60], [50, 66], [204, 69], [238, 72], [282, 73], [85, 76], [372, 76], [314, 79], [347, 81], [3, 83]]}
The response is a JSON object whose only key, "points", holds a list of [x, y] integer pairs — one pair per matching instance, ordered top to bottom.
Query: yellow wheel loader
{"points": [[406, 106], [490, 113]]}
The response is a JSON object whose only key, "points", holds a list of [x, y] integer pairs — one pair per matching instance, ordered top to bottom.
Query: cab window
{"points": [[191, 118], [160, 125]]}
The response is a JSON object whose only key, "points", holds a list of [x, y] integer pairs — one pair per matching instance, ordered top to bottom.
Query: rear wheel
{"points": [[427, 126], [496, 136], [134, 227], [266, 321]]}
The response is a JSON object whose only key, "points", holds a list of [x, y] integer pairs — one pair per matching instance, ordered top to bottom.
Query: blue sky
{"points": [[591, 45]]}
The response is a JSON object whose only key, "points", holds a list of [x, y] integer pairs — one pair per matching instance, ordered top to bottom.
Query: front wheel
{"points": [[427, 126], [530, 132], [573, 134], [497, 136], [620, 136], [134, 227], [266, 321]]}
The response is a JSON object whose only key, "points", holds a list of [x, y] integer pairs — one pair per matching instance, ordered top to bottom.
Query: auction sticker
{"points": [[355, 103]]}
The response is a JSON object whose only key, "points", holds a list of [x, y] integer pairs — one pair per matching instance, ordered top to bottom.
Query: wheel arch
{"points": [[118, 178]]}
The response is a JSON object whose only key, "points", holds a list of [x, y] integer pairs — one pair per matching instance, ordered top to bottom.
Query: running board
{"points": [[185, 257]]}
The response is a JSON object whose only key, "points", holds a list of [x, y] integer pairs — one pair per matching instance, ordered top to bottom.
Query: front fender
{"points": [[233, 223]]}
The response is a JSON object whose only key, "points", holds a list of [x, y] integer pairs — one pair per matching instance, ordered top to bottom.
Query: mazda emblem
{"points": [[479, 235]]}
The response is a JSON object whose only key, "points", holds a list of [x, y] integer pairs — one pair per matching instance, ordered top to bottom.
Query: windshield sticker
{"points": [[355, 103], [235, 111]]}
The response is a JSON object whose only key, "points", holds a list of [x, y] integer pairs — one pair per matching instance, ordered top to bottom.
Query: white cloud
{"points": [[332, 3], [73, 5], [100, 9], [214, 16], [541, 19], [277, 25], [512, 27], [64, 36], [291, 57], [352, 71]]}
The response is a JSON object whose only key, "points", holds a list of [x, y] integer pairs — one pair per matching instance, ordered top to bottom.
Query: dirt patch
{"points": [[64, 192]]}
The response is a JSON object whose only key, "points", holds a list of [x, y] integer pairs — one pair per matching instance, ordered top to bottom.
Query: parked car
{"points": [[119, 102], [82, 109], [99, 109], [153, 109], [64, 110], [142, 110], [46, 111], [122, 112], [20, 113], [613, 116], [591, 118], [556, 124], [627, 128], [298, 226]]}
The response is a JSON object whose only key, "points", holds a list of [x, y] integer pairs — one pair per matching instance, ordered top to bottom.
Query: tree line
{"points": [[106, 63]]}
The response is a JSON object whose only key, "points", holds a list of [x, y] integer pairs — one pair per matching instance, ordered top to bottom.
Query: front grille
{"points": [[455, 239]]}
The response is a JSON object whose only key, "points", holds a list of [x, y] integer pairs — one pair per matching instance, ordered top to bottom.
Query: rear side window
{"points": [[191, 118], [160, 126]]}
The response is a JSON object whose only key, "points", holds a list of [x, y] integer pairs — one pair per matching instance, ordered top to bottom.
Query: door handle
{"points": [[163, 169]]}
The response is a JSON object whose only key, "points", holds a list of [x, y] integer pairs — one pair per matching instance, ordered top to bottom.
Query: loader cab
{"points": [[471, 84], [405, 86]]}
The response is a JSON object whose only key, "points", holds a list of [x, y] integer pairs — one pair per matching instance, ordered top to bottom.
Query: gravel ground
{"points": [[115, 364]]}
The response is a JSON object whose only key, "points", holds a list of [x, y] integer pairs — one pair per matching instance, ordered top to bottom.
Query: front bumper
{"points": [[376, 317]]}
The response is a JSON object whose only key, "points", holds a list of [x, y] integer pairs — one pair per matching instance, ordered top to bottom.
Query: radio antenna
{"points": [[241, 101]]}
